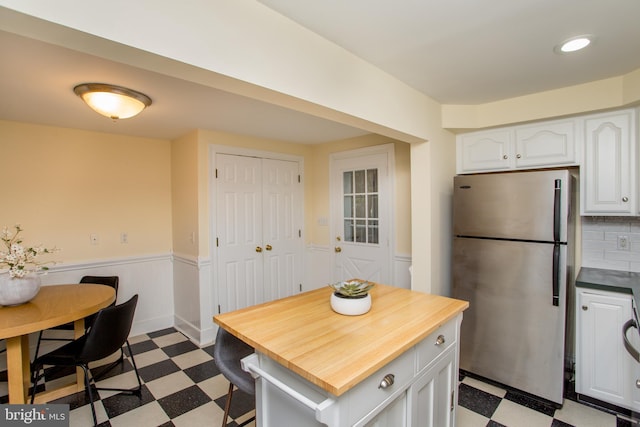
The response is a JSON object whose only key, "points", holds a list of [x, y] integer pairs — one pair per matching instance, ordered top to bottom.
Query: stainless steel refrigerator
{"points": [[512, 253]]}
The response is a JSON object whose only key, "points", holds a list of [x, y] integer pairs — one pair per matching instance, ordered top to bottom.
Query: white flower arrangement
{"points": [[21, 260]]}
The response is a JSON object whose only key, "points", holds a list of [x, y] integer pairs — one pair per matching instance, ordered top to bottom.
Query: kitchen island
{"points": [[396, 365]]}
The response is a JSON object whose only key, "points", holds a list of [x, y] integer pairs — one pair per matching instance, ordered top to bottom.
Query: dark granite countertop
{"points": [[610, 280]]}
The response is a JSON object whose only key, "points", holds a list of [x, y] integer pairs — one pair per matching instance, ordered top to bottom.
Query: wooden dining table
{"points": [[53, 306]]}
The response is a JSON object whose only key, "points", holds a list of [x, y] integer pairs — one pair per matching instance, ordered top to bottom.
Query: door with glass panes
{"points": [[360, 216]]}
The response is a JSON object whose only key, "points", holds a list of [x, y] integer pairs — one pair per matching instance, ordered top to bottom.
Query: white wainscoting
{"points": [[151, 277], [194, 298]]}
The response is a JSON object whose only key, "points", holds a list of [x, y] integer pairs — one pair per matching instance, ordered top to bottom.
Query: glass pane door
{"points": [[360, 206]]}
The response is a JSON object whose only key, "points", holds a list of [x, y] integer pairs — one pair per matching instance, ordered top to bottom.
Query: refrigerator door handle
{"points": [[557, 198], [556, 274]]}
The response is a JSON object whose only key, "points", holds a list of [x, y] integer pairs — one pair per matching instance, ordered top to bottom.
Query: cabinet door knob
{"points": [[519, 156], [505, 157], [625, 199], [268, 247], [258, 249], [585, 308], [440, 340], [387, 381], [637, 383]]}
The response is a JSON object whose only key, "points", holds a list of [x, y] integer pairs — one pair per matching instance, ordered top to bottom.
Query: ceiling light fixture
{"points": [[574, 43], [112, 101]]}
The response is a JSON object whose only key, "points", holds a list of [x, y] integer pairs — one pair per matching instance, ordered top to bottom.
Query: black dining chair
{"points": [[112, 281], [108, 333], [227, 353]]}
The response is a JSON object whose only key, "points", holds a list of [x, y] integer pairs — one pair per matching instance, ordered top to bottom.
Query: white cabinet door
{"points": [[546, 144], [484, 151], [609, 165], [604, 369], [434, 395], [394, 415]]}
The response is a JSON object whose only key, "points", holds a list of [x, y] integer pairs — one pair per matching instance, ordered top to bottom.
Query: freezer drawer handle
{"points": [[632, 351]]}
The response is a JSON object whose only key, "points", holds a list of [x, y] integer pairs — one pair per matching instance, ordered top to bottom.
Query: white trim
{"points": [[108, 262]]}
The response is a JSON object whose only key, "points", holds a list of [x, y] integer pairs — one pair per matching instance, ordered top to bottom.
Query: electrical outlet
{"points": [[94, 239], [623, 243]]}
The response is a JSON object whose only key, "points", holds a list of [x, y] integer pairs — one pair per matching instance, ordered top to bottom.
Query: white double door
{"points": [[259, 211]]}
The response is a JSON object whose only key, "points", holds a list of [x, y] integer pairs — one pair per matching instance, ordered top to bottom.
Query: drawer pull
{"points": [[440, 340], [387, 381]]}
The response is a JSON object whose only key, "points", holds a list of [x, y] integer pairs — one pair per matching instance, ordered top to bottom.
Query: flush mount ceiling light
{"points": [[574, 43], [112, 101]]}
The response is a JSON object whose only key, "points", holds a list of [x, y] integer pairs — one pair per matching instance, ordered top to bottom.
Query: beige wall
{"points": [[615, 92], [64, 184], [184, 190], [320, 193]]}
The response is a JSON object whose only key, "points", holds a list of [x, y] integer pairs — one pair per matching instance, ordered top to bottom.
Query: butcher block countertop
{"points": [[333, 351]]}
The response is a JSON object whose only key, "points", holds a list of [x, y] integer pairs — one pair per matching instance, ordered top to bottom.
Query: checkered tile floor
{"points": [[183, 387]]}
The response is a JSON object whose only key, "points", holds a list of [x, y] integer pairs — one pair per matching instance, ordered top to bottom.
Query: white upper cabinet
{"points": [[547, 144], [485, 151], [608, 172]]}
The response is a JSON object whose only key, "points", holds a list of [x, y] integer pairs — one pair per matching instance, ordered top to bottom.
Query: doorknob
{"points": [[268, 247], [258, 249], [338, 249]]}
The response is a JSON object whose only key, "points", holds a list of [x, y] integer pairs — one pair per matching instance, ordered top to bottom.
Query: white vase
{"points": [[14, 290], [350, 306]]}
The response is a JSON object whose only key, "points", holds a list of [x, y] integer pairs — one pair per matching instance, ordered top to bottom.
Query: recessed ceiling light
{"points": [[573, 44]]}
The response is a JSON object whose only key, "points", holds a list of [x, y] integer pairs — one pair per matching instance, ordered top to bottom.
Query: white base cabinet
{"points": [[604, 368], [422, 392]]}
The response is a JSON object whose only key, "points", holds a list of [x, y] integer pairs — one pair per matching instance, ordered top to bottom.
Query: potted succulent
{"points": [[351, 297]]}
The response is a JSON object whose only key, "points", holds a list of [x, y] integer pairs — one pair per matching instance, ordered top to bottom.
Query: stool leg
{"points": [[227, 405]]}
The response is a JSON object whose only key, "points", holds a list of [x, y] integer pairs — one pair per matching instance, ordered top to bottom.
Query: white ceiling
{"points": [[455, 51]]}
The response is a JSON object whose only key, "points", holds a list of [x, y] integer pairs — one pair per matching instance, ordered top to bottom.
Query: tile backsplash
{"points": [[603, 243]]}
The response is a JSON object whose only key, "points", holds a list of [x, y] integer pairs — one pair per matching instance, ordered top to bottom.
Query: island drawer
{"points": [[435, 344], [372, 393]]}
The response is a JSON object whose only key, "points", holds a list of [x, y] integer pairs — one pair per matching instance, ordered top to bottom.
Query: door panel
{"points": [[238, 215], [360, 218], [258, 223], [282, 229], [512, 333]]}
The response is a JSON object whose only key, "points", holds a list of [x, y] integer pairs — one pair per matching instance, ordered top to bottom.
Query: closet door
{"points": [[282, 228], [259, 230], [239, 231]]}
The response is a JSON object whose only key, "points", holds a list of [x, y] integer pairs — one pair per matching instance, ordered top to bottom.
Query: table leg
{"points": [[78, 331], [18, 368]]}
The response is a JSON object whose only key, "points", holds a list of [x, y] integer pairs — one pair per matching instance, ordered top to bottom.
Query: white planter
{"points": [[14, 291], [350, 306]]}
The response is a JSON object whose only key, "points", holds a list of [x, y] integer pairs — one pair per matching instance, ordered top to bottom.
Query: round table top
{"points": [[54, 305]]}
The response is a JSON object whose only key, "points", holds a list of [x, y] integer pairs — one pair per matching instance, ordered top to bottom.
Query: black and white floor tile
{"points": [[183, 387]]}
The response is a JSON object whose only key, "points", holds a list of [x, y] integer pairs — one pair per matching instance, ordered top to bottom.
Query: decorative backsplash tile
{"points": [[611, 242]]}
